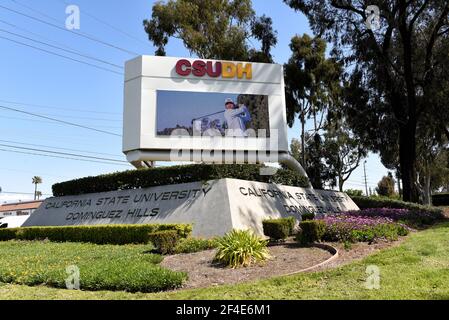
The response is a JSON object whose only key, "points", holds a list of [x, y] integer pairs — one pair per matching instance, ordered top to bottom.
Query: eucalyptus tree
{"points": [[212, 29], [397, 65]]}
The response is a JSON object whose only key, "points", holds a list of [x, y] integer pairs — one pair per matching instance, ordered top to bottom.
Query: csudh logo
{"points": [[227, 70]]}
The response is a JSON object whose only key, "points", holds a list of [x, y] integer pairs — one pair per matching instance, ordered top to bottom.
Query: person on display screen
{"points": [[236, 118]]}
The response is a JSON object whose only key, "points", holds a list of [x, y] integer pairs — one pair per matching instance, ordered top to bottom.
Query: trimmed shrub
{"points": [[145, 178], [440, 199], [381, 202], [307, 216], [291, 224], [277, 229], [311, 231], [7, 234], [101, 234], [164, 241], [191, 245], [241, 248]]}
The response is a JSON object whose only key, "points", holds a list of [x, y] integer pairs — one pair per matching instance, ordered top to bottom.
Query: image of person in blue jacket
{"points": [[236, 118]]}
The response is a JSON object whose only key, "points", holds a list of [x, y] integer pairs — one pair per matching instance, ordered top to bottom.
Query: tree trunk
{"points": [[303, 139], [407, 159], [398, 179], [340, 183], [35, 191], [427, 192]]}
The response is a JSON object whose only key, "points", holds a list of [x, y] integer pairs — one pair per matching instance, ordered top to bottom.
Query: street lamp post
{"points": [[366, 183]]}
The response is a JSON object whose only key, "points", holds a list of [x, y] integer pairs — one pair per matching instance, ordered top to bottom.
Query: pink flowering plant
{"points": [[411, 218], [351, 227]]}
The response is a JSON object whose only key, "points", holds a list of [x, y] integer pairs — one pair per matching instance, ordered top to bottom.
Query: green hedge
{"points": [[145, 178], [440, 199], [378, 202], [307, 216], [279, 229], [311, 231], [7, 234], [107, 234], [164, 241], [192, 245]]}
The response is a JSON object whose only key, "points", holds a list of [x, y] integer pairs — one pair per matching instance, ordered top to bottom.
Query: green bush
{"points": [[145, 178], [385, 187], [354, 192], [440, 199], [382, 202], [307, 216], [291, 225], [278, 229], [311, 231], [389, 232], [7, 234], [100, 234], [164, 241], [191, 245], [241, 248], [102, 267]]}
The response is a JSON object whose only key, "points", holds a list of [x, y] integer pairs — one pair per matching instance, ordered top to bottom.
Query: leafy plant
{"points": [[191, 245], [241, 248]]}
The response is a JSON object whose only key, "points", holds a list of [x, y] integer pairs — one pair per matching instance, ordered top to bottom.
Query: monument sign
{"points": [[202, 111], [213, 208]]}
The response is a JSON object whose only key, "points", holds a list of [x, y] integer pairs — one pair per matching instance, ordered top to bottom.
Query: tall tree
{"points": [[212, 29], [399, 65], [310, 79], [343, 151], [317, 171], [36, 180], [385, 187]]}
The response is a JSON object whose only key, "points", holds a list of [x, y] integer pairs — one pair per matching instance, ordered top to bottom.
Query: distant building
{"points": [[19, 208]]}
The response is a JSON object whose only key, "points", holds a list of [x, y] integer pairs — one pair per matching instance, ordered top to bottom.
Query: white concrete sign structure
{"points": [[211, 111], [213, 208]]}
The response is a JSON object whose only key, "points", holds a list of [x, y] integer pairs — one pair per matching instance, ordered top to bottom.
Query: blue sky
{"points": [[53, 86], [180, 108]]}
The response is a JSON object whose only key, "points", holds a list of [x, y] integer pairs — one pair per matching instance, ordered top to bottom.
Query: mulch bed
{"points": [[287, 258]]}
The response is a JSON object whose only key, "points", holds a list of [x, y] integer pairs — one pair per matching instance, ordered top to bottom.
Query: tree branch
{"points": [[417, 14], [434, 37]]}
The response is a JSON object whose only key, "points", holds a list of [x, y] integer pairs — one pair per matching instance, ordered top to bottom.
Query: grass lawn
{"points": [[101, 267], [416, 269]]}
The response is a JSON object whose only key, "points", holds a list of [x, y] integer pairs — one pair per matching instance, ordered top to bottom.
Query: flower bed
{"points": [[412, 218], [350, 227]]}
